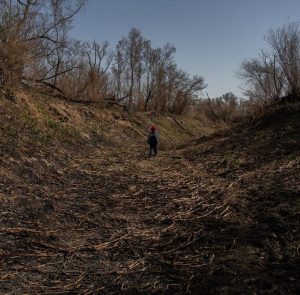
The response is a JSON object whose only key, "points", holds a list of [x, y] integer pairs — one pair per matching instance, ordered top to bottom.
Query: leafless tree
{"points": [[34, 35], [285, 43], [156, 62], [128, 66], [275, 73], [226, 108]]}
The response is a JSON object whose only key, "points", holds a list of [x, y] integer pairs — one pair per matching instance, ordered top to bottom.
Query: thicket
{"points": [[227, 109]]}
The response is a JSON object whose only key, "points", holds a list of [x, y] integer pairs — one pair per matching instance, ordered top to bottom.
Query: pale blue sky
{"points": [[212, 37]]}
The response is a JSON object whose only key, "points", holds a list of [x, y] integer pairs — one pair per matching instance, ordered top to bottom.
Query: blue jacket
{"points": [[153, 138]]}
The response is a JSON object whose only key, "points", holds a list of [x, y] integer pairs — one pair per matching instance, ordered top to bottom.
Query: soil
{"points": [[216, 215]]}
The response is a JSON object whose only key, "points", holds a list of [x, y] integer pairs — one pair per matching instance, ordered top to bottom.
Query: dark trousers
{"points": [[154, 149]]}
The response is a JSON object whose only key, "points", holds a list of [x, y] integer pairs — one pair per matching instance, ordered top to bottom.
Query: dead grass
{"points": [[218, 215]]}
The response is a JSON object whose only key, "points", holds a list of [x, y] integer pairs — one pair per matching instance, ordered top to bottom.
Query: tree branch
{"points": [[58, 74]]}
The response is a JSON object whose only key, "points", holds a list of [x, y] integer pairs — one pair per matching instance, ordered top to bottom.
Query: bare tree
{"points": [[34, 34], [285, 43], [156, 62], [128, 67], [275, 73], [226, 108]]}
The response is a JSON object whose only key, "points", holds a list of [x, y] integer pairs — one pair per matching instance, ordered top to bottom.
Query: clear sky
{"points": [[212, 37]]}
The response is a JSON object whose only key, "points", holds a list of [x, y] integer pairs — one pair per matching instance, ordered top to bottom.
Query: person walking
{"points": [[153, 141]]}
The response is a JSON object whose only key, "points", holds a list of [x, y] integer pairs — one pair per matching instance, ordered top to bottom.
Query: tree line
{"points": [[36, 50], [274, 75], [271, 78]]}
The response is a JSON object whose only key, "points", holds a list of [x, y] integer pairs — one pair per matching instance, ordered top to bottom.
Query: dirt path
{"points": [[117, 223]]}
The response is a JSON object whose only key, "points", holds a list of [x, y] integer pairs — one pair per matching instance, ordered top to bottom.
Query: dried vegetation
{"points": [[86, 215]]}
